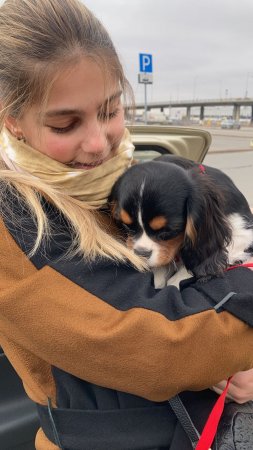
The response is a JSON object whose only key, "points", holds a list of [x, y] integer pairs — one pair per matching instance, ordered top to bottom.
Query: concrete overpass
{"points": [[188, 104]]}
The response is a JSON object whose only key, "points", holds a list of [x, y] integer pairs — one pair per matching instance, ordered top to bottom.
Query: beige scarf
{"points": [[92, 186]]}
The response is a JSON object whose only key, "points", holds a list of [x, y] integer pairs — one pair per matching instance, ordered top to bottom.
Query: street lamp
{"points": [[249, 74], [194, 87], [220, 89]]}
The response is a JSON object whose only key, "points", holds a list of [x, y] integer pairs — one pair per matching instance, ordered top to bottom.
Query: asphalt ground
{"points": [[231, 140], [232, 152]]}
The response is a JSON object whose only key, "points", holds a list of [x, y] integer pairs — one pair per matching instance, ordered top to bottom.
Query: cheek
{"points": [[57, 147], [168, 250]]}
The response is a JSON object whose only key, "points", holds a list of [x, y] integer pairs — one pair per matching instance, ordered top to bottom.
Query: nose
{"points": [[95, 141], [141, 251]]}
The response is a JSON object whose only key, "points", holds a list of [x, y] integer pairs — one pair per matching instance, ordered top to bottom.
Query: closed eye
{"points": [[64, 129], [128, 229], [133, 230], [167, 235]]}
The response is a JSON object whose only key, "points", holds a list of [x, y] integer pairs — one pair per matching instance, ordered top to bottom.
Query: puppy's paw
{"points": [[182, 274]]}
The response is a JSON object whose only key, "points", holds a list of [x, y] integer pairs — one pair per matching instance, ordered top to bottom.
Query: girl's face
{"points": [[80, 126]]}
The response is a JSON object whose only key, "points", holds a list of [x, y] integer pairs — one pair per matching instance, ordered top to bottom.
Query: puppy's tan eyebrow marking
{"points": [[125, 217], [158, 222]]}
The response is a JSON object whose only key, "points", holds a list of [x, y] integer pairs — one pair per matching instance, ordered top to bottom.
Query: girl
{"points": [[97, 347]]}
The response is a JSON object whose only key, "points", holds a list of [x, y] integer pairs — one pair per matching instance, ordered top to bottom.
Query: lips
{"points": [[85, 166]]}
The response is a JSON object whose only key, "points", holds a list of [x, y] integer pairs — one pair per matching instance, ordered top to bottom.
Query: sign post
{"points": [[145, 76]]}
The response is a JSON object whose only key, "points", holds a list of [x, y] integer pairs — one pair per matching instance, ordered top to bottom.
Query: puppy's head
{"points": [[148, 202], [169, 211]]}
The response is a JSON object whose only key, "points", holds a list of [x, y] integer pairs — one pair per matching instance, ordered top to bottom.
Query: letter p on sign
{"points": [[146, 63]]}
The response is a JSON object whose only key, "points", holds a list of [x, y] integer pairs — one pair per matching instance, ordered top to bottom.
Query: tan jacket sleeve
{"points": [[134, 349]]}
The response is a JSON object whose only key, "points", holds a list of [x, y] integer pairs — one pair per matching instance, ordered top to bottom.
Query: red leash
{"points": [[240, 265], [210, 428]]}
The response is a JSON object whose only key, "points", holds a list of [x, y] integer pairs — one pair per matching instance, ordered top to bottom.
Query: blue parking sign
{"points": [[146, 63]]}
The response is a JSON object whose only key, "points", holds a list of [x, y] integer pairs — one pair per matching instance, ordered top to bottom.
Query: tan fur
{"points": [[125, 217], [158, 222], [190, 230], [169, 249]]}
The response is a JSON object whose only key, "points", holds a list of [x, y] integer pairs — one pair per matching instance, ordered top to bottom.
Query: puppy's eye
{"points": [[127, 228], [131, 233], [167, 235], [164, 236]]}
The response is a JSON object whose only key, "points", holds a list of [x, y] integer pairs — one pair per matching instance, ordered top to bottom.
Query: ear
{"points": [[13, 126], [113, 201], [114, 207], [207, 232]]}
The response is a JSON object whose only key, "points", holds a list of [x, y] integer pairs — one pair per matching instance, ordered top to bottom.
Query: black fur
{"points": [[194, 202]]}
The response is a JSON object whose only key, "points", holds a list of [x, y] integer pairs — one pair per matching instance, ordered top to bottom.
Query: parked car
{"points": [[156, 117], [230, 124], [153, 140], [18, 415]]}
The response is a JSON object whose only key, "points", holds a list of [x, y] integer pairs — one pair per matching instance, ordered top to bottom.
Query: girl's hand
{"points": [[240, 388]]}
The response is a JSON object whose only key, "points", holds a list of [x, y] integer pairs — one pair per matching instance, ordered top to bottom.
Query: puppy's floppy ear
{"points": [[116, 198], [113, 201], [114, 207], [190, 230], [207, 232]]}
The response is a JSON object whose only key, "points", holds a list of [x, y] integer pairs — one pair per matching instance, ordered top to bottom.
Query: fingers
{"points": [[240, 389]]}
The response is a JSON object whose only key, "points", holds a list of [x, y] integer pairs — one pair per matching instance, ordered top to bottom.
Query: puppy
{"points": [[179, 214]]}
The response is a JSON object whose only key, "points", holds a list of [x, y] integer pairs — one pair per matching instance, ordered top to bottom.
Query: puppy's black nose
{"points": [[143, 252]]}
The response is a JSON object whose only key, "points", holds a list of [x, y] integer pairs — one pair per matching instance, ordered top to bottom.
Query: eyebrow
{"points": [[69, 112]]}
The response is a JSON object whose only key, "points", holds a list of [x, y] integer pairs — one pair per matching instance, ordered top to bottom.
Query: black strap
{"points": [[185, 420], [131, 428], [54, 429]]}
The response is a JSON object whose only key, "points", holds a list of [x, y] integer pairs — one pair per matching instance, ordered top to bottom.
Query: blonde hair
{"points": [[38, 37]]}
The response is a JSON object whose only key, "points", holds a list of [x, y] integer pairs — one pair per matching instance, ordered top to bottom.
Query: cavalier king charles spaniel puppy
{"points": [[184, 218]]}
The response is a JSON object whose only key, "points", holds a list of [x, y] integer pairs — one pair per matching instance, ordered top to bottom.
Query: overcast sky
{"points": [[200, 48]]}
